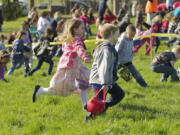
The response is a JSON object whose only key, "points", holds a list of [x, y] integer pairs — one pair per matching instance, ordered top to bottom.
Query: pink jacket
{"points": [[176, 4], [84, 20], [164, 25], [70, 53]]}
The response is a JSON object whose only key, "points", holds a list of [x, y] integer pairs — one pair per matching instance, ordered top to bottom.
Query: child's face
{"points": [[34, 23], [80, 31], [130, 35], [51, 36], [23, 37]]}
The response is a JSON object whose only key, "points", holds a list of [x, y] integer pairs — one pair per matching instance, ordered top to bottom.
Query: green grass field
{"points": [[144, 111]]}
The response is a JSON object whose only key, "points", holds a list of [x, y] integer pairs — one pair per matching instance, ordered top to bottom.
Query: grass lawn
{"points": [[144, 111]]}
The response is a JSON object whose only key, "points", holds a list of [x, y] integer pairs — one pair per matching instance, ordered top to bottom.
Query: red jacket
{"points": [[176, 4], [162, 7], [109, 18]]}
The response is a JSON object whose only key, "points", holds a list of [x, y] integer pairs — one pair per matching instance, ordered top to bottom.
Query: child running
{"points": [[124, 48], [43, 51], [17, 56], [104, 68], [71, 75]]}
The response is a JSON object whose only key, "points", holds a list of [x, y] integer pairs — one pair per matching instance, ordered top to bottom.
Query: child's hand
{"points": [[105, 87]]}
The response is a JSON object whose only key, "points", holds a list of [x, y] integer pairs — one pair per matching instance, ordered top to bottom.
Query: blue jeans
{"points": [[88, 31], [157, 43], [15, 64], [39, 64], [26, 66], [167, 70], [136, 74]]}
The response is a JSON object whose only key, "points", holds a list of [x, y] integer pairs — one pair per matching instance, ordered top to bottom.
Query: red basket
{"points": [[96, 105]]}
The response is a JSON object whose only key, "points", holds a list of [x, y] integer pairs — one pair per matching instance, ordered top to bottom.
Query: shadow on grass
{"points": [[139, 113]]}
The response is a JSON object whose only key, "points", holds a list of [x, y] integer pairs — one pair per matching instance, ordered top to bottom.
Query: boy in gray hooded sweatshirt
{"points": [[124, 47], [104, 67]]}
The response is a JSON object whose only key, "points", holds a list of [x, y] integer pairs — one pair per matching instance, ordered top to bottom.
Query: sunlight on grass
{"points": [[144, 111]]}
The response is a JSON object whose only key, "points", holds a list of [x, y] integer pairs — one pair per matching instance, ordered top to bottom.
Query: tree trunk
{"points": [[31, 4], [110, 4]]}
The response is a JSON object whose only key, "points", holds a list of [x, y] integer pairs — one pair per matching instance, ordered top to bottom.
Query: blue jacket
{"points": [[177, 12], [18, 48]]}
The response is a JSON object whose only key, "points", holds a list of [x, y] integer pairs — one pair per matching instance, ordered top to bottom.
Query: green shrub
{"points": [[11, 9]]}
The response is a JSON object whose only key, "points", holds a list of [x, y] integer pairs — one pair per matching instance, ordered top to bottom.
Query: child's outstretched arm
{"points": [[137, 42], [81, 52]]}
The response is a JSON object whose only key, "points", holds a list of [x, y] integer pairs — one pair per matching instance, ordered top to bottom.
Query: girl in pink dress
{"points": [[71, 76]]}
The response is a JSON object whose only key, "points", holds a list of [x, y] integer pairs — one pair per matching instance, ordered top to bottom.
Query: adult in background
{"points": [[169, 5], [101, 9], [151, 9], [122, 12], [1, 19]]}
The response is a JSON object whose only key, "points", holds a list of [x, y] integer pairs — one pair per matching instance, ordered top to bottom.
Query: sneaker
{"points": [[178, 72], [45, 74], [163, 79], [4, 80], [35, 92], [88, 117]]}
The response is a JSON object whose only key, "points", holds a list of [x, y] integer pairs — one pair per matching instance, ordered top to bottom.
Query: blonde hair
{"points": [[139, 7], [77, 13], [57, 14], [156, 19], [130, 28], [107, 30], [20, 34], [68, 34], [176, 50]]}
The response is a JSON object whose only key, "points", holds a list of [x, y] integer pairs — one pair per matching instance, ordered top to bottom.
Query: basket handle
{"points": [[104, 94]]}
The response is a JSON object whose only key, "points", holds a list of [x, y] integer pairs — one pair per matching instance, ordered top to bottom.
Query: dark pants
{"points": [[157, 43], [15, 64], [39, 64], [26, 66], [167, 70], [136, 74], [117, 94]]}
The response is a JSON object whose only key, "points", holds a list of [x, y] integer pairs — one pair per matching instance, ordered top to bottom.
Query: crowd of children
{"points": [[110, 55]]}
